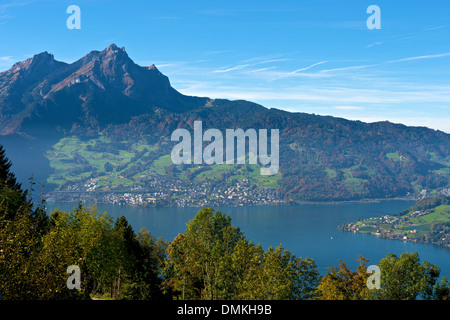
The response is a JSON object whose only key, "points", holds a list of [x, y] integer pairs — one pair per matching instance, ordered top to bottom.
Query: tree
{"points": [[108, 167], [7, 177], [12, 197], [21, 232], [19, 245], [98, 248], [131, 249], [35, 250], [59, 250], [202, 254], [146, 257], [113, 259], [213, 260], [276, 274], [306, 278], [402, 278], [406, 278], [179, 280], [340, 283], [442, 290]]}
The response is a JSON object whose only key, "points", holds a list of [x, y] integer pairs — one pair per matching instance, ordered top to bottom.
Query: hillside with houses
{"points": [[428, 221]]}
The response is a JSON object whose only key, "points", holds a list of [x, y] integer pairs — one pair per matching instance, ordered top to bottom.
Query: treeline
{"points": [[36, 249], [211, 260]]}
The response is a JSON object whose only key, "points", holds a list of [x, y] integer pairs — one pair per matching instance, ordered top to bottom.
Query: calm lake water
{"points": [[305, 230]]}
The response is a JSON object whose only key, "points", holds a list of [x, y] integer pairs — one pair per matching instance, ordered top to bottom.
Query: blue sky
{"points": [[308, 56]]}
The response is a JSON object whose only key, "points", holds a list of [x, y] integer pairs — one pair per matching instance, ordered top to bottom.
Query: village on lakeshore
{"points": [[162, 190], [431, 225]]}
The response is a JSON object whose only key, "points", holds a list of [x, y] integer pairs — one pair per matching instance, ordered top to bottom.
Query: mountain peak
{"points": [[114, 47], [114, 50], [110, 52], [113, 56], [43, 58], [111, 64], [34, 68]]}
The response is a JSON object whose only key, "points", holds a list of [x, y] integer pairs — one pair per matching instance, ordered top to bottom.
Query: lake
{"points": [[305, 230]]}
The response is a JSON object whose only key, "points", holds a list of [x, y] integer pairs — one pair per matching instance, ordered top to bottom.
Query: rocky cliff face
{"points": [[104, 87]]}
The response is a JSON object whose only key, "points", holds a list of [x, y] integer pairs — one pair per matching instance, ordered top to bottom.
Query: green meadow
{"points": [[124, 163]]}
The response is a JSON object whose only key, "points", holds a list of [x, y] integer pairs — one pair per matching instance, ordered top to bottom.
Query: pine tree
{"points": [[6, 176], [12, 197]]}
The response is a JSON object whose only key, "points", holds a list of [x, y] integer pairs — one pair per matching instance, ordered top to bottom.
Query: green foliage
{"points": [[321, 158], [124, 163], [6, 176], [12, 197], [426, 203], [427, 221], [97, 249], [147, 256], [202, 256], [113, 259], [213, 260], [276, 274], [24, 275], [402, 278], [405, 278], [340, 283], [442, 290]]}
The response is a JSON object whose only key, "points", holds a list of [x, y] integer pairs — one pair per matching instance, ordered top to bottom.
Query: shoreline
{"points": [[339, 202], [286, 203], [380, 236]]}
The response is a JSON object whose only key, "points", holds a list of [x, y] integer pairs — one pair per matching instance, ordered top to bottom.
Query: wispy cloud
{"points": [[6, 6], [431, 28], [412, 36], [377, 43], [214, 52], [431, 56], [263, 60], [273, 60], [6, 62], [162, 65], [309, 67], [349, 68], [231, 69], [263, 69], [274, 72], [296, 72], [346, 90], [336, 97], [347, 108], [442, 124]]}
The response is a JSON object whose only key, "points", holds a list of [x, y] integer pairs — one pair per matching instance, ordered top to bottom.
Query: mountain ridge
{"points": [[107, 77], [104, 106]]}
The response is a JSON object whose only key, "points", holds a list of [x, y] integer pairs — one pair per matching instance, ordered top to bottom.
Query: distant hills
{"points": [[104, 117]]}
